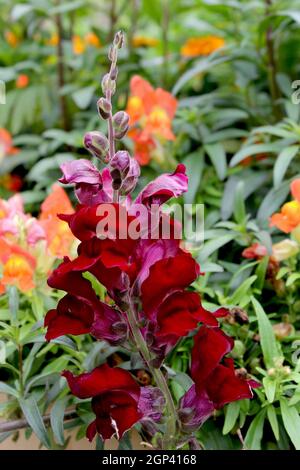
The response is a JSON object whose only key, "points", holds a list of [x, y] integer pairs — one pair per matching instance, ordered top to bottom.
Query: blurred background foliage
{"points": [[232, 66]]}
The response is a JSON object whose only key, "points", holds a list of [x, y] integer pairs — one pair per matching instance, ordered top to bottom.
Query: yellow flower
{"points": [[11, 38], [91, 39], [53, 40], [143, 41], [78, 45], [204, 45]]}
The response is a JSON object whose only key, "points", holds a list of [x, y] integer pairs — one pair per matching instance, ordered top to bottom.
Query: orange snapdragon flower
{"points": [[11, 38], [91, 39], [53, 40], [144, 41], [78, 45], [204, 45], [22, 81], [151, 112], [6, 144], [12, 183], [288, 219], [59, 236], [18, 267]]}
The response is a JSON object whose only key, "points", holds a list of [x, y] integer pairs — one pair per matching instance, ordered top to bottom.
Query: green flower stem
{"points": [[170, 434]]}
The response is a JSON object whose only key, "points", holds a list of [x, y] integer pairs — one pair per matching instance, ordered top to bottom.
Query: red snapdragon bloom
{"points": [[255, 251], [216, 383], [117, 400]]}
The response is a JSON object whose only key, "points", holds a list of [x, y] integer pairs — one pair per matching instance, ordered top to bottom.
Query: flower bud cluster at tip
{"points": [[124, 169]]}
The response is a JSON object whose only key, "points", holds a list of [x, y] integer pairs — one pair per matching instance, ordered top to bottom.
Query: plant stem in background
{"points": [[113, 20], [133, 26], [165, 43], [272, 66], [61, 73], [20, 365], [158, 376], [17, 424]]}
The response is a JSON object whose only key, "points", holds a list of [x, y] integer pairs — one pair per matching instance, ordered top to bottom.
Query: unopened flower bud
{"points": [[119, 40], [112, 54], [114, 73], [108, 84], [104, 108], [120, 124], [97, 144], [125, 172], [116, 179], [239, 315], [121, 330], [282, 330], [238, 349], [271, 372], [241, 373]]}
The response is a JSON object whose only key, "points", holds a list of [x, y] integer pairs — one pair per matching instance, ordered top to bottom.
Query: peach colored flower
{"points": [[204, 45], [59, 236], [285, 249], [18, 267]]}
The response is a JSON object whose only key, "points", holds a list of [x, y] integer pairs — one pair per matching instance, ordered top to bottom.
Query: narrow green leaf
{"points": [[201, 66], [83, 96], [250, 150], [217, 155], [282, 163], [194, 164], [272, 201], [239, 209], [212, 245], [261, 272], [292, 278], [242, 290], [13, 302], [267, 338], [270, 388], [8, 390], [232, 413], [33, 416], [272, 417], [57, 420], [291, 421], [255, 432], [125, 442], [99, 443]]}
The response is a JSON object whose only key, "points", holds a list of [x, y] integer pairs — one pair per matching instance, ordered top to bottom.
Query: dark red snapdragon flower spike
{"points": [[148, 278]]}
